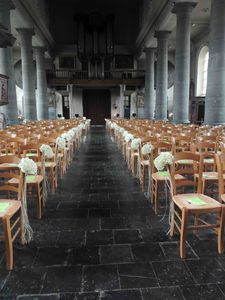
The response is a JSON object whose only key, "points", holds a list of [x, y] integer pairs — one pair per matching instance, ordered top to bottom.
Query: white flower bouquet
{"points": [[82, 126], [116, 127], [75, 130], [121, 130], [71, 133], [125, 133], [66, 136], [129, 137], [61, 142], [135, 143], [146, 149], [47, 151], [164, 159], [28, 166]]}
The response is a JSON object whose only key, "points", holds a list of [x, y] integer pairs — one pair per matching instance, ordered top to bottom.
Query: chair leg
{"points": [[133, 165], [52, 174], [141, 175], [143, 178], [54, 179], [152, 190], [156, 197], [39, 201], [196, 218], [172, 224], [221, 231], [183, 233], [8, 243]]}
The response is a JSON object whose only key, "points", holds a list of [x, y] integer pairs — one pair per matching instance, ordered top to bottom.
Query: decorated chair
{"points": [[145, 149], [51, 163], [158, 178], [34, 182], [192, 203], [10, 212]]}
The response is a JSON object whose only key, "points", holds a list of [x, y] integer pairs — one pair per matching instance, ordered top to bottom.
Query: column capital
{"points": [[184, 7], [26, 31], [162, 34]]}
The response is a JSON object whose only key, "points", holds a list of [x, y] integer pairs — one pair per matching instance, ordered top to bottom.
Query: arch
{"points": [[202, 71]]}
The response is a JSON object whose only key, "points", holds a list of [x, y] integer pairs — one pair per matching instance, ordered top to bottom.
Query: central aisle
{"points": [[100, 240]]}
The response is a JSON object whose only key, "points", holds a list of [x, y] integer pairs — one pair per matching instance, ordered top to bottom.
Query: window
{"points": [[203, 60]]}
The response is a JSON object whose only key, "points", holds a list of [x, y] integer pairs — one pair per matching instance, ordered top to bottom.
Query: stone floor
{"points": [[99, 239]]}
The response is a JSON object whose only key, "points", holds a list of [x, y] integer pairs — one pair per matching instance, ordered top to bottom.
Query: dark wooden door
{"points": [[97, 105], [66, 107]]}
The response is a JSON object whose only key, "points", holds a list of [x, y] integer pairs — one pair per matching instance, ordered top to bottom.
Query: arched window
{"points": [[203, 60]]}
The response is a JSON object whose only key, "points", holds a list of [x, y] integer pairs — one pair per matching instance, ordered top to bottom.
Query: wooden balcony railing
{"points": [[74, 76]]}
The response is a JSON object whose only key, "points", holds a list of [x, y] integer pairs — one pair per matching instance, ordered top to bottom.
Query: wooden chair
{"points": [[181, 143], [207, 148], [51, 164], [144, 164], [209, 178], [158, 179], [35, 183], [193, 203], [10, 213]]}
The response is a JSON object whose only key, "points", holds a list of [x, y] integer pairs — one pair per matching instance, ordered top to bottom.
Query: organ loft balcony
{"points": [[109, 78]]}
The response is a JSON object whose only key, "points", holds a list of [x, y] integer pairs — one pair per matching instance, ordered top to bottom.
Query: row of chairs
{"points": [[198, 162], [14, 184]]}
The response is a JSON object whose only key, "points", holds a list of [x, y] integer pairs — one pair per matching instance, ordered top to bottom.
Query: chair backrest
{"points": [[207, 138], [181, 143], [205, 147], [31, 150], [10, 159], [220, 164], [182, 173], [10, 191]]}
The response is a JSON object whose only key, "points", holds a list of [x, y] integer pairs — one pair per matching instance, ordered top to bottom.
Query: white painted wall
{"points": [[170, 95], [19, 97], [76, 101], [115, 101], [59, 108]]}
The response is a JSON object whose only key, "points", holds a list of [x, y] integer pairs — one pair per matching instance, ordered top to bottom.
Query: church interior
{"points": [[112, 149]]}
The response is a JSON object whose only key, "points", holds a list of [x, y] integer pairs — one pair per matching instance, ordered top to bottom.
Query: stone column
{"points": [[182, 64], [7, 67], [162, 74], [149, 83], [215, 94], [41, 101], [121, 103], [30, 112]]}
